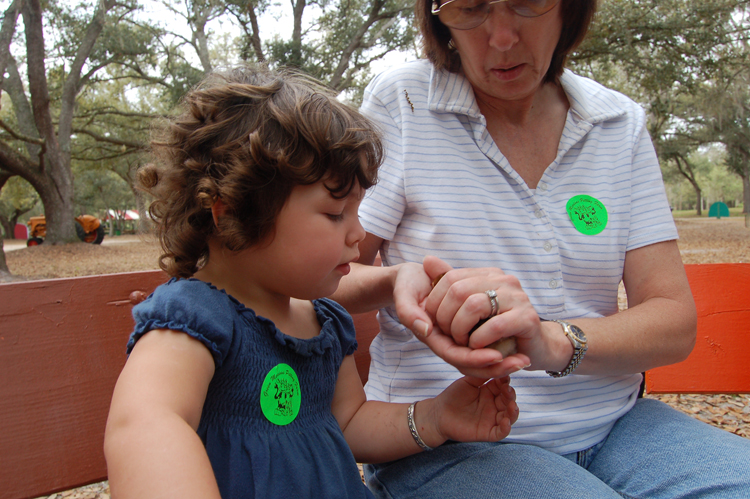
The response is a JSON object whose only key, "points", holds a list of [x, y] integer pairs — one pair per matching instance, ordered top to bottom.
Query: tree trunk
{"points": [[699, 200], [144, 222], [9, 226], [3, 263]]}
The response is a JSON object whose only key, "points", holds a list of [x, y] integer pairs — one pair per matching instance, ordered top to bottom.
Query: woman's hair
{"points": [[436, 37], [248, 136]]}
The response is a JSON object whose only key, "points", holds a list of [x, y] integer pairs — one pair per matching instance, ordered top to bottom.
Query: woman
{"points": [[543, 191]]}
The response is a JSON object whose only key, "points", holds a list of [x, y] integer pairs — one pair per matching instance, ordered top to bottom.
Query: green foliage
{"points": [[677, 58], [99, 190], [17, 195]]}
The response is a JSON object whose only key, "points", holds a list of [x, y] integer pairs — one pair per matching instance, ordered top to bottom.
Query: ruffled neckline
{"points": [[305, 347]]}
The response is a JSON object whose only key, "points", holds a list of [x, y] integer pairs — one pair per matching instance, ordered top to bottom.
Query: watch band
{"points": [[578, 340]]}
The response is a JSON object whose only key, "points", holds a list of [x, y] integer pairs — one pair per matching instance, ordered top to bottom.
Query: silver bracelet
{"points": [[413, 428]]}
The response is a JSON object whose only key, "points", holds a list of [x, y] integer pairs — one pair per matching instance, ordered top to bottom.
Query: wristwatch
{"points": [[578, 338]]}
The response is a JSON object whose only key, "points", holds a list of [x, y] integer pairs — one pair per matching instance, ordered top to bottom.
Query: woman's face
{"points": [[506, 57]]}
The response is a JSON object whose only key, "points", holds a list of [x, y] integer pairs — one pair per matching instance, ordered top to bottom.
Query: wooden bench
{"points": [[62, 346]]}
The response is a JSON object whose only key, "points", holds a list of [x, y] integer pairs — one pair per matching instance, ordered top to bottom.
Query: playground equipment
{"points": [[89, 229]]}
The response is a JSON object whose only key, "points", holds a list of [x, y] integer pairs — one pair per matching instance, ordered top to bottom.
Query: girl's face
{"points": [[315, 239]]}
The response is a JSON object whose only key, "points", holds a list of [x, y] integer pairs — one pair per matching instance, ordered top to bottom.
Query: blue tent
{"points": [[718, 210]]}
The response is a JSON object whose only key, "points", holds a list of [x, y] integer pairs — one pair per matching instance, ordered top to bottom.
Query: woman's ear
{"points": [[217, 210]]}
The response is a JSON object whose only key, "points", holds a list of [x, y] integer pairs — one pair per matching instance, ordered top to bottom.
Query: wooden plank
{"points": [[367, 328], [62, 347], [719, 362]]}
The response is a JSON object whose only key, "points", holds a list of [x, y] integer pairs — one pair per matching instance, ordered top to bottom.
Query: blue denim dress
{"points": [[293, 447]]}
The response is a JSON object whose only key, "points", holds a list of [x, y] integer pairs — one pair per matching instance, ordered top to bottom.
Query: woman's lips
{"points": [[507, 74]]}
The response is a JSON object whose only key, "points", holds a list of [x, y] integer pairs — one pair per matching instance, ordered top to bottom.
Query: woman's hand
{"points": [[459, 301], [469, 410]]}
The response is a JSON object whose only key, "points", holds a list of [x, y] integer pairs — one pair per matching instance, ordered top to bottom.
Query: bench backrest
{"points": [[718, 363]]}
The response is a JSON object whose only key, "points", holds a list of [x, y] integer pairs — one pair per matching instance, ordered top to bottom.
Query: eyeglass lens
{"points": [[468, 14]]}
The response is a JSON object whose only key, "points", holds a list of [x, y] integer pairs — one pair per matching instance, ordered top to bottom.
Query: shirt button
{"points": [[542, 186], [539, 213], [547, 247], [552, 284]]}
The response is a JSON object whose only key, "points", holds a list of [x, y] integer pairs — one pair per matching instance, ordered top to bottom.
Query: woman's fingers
{"points": [[481, 363]]}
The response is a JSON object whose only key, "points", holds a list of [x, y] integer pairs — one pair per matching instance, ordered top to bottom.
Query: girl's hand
{"points": [[410, 290], [469, 410]]}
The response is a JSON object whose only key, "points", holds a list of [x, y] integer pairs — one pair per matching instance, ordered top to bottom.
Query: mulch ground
{"points": [[701, 241]]}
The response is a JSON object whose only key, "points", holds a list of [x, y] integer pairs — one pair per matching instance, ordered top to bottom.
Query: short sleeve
{"points": [[383, 207], [650, 217], [193, 307], [341, 323]]}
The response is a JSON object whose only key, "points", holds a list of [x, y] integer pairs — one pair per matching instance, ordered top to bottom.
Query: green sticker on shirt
{"points": [[589, 215], [280, 395]]}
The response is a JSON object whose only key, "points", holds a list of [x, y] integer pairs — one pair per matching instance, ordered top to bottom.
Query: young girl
{"points": [[240, 380]]}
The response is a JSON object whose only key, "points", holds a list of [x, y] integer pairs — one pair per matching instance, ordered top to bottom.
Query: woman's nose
{"points": [[502, 24]]}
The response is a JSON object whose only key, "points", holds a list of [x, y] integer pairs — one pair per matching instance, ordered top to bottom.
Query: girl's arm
{"points": [[368, 288], [469, 410], [150, 442]]}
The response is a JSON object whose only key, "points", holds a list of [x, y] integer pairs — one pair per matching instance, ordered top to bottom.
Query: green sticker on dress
{"points": [[589, 215], [280, 395]]}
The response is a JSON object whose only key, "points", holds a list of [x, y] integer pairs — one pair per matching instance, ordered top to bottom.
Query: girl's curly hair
{"points": [[248, 136]]}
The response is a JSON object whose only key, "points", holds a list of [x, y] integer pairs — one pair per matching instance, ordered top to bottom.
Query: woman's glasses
{"points": [[468, 14]]}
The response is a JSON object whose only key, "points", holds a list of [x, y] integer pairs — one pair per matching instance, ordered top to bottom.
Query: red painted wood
{"points": [[367, 328], [62, 346], [719, 362]]}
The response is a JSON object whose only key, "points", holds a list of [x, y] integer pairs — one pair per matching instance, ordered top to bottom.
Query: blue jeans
{"points": [[653, 451]]}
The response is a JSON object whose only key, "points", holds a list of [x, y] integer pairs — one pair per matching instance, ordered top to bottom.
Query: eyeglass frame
{"points": [[435, 11]]}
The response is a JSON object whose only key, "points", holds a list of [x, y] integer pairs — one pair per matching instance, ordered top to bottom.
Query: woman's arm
{"points": [[659, 326], [469, 410], [150, 442]]}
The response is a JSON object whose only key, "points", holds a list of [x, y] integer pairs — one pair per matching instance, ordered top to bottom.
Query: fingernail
{"points": [[419, 327], [526, 366]]}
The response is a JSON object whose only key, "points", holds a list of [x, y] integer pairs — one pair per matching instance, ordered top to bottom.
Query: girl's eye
{"points": [[336, 217]]}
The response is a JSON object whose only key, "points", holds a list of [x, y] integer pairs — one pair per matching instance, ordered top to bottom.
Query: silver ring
{"points": [[495, 307]]}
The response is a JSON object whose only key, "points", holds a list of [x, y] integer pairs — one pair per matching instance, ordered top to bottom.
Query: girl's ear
{"points": [[217, 210]]}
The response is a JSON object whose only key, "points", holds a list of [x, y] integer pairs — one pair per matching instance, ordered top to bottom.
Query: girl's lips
{"points": [[507, 74], [344, 268]]}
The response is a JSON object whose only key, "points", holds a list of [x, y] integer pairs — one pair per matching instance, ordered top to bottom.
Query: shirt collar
{"points": [[589, 101]]}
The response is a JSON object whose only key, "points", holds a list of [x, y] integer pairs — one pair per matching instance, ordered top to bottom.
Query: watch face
{"points": [[578, 333]]}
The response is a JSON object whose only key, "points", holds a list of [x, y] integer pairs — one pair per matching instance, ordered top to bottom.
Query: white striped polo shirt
{"points": [[446, 190]]}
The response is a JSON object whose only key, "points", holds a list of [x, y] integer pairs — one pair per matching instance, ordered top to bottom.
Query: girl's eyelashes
{"points": [[336, 217]]}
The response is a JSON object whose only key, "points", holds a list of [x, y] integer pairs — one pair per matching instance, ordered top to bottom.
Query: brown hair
{"points": [[436, 37], [248, 136]]}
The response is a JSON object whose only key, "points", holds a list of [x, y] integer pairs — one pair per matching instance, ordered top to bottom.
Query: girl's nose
{"points": [[356, 233]]}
